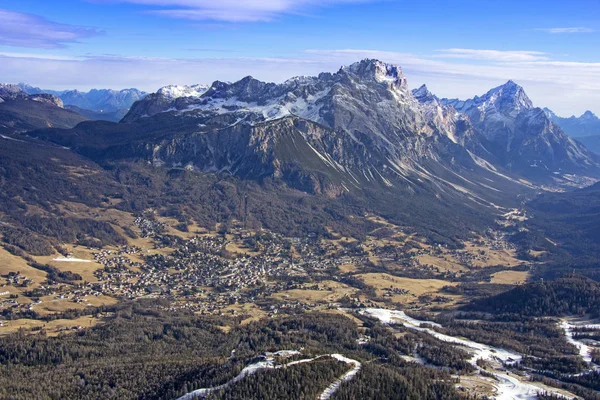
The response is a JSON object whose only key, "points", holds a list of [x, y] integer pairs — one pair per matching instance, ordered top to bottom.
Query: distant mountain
{"points": [[99, 100], [21, 112], [113, 116], [588, 124], [358, 129], [357, 134], [523, 138]]}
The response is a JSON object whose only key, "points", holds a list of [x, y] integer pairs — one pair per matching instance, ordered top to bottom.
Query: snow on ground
{"points": [[177, 91], [13, 139], [70, 259], [479, 350], [585, 351], [268, 362], [507, 387], [510, 388], [331, 389]]}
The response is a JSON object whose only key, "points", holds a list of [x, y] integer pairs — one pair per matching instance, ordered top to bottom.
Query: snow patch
{"points": [[70, 259], [268, 362]]}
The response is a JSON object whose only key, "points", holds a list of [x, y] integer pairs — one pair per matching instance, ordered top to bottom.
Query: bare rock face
{"points": [[14, 92], [48, 99], [586, 125], [357, 129], [522, 137]]}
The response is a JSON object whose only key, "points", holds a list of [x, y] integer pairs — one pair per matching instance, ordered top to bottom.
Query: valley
{"points": [[338, 236], [247, 273]]}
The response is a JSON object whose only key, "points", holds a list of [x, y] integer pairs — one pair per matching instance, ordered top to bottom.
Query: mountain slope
{"points": [[99, 100], [20, 112], [113, 116], [357, 130], [523, 138], [591, 142], [564, 228], [567, 295]]}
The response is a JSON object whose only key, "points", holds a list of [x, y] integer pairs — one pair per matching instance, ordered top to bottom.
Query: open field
{"points": [[505, 257], [11, 263], [443, 263], [85, 269], [510, 277], [417, 287], [404, 290], [328, 291], [249, 311], [52, 328]]}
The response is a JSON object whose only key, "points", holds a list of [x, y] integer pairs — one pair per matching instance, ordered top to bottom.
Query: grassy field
{"points": [[11, 263], [443, 263], [85, 269], [510, 277], [415, 287], [327, 292], [52, 328]]}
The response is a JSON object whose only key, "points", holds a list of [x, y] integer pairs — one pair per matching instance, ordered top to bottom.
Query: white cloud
{"points": [[230, 10], [575, 29], [28, 30], [493, 55]]}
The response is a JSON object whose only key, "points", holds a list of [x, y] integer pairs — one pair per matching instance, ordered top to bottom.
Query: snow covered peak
{"points": [[379, 71], [9, 90], [177, 91], [421, 91], [510, 95], [424, 96], [508, 99], [549, 112]]}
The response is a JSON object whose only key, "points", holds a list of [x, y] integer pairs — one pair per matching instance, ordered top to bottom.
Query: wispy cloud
{"points": [[231, 10], [573, 29], [28, 30], [493, 55]]}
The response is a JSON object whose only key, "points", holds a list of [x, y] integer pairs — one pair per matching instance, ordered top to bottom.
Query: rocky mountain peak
{"points": [[378, 71], [8, 91], [177, 91], [15, 92], [424, 96], [509, 97], [48, 99], [549, 113], [589, 115]]}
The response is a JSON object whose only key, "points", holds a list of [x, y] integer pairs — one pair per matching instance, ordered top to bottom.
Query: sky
{"points": [[459, 48]]}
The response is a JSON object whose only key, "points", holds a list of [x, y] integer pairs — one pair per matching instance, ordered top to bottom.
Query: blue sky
{"points": [[458, 48]]}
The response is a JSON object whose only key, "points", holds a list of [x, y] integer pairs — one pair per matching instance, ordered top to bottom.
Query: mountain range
{"points": [[105, 104], [21, 112], [587, 124], [360, 126], [585, 128], [359, 131]]}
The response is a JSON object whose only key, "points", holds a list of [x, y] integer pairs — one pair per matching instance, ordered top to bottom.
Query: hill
{"points": [[569, 295]]}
